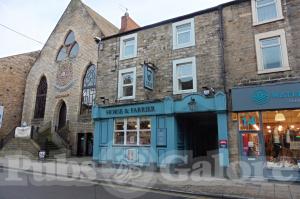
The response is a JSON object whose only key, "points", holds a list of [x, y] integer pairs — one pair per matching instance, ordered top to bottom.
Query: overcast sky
{"points": [[37, 18]]}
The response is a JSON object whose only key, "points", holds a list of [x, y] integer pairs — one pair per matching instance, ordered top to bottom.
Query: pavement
{"points": [[176, 183]]}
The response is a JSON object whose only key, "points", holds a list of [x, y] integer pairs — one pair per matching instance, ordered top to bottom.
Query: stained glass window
{"points": [[69, 49], [88, 90]]}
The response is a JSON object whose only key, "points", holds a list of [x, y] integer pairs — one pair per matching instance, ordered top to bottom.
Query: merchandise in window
{"points": [[249, 121], [281, 130], [132, 131], [250, 144]]}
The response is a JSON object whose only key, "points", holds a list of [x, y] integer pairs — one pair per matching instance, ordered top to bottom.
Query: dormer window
{"points": [[69, 49]]}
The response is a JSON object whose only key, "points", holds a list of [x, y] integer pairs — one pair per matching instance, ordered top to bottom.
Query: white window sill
{"points": [[268, 21], [191, 44], [275, 70], [184, 92], [126, 98]]}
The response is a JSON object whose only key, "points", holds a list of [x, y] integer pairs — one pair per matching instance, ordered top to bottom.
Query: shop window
{"points": [[265, 11], [183, 34], [128, 46], [69, 49], [271, 51], [184, 76], [127, 83], [88, 90], [41, 97], [249, 121], [132, 131], [281, 131], [250, 144]]}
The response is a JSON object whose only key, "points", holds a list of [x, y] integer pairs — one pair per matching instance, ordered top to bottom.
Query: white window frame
{"points": [[255, 14], [174, 27], [122, 42], [285, 62], [175, 78], [120, 83], [138, 130]]}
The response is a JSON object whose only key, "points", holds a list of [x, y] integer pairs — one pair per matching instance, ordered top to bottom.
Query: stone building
{"points": [[262, 48], [230, 73], [13, 74], [166, 83], [60, 87]]}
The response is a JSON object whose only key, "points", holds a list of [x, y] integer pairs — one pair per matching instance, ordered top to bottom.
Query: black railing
{"points": [[7, 138]]}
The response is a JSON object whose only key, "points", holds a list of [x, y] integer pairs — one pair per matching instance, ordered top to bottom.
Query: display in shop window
{"points": [[249, 121]]}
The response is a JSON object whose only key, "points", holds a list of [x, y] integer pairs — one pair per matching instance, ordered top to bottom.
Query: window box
{"points": [[266, 11], [183, 34], [128, 46], [271, 52], [184, 76], [127, 84]]}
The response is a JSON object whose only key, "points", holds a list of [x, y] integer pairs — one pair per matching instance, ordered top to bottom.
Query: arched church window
{"points": [[69, 49], [88, 90], [41, 96]]}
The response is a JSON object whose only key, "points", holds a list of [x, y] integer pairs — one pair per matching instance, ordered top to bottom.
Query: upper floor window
{"points": [[266, 11], [183, 34], [128, 46], [70, 48], [271, 51], [184, 76], [127, 83], [88, 90]]}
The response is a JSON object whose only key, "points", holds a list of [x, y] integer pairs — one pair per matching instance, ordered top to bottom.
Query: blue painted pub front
{"points": [[166, 139]]}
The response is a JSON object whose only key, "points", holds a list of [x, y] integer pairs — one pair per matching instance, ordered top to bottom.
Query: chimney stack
{"points": [[127, 23]]}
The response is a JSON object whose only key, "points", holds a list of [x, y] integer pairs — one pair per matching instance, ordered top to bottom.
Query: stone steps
{"points": [[22, 147]]}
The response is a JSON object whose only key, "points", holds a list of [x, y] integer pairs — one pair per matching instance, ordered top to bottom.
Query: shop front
{"points": [[269, 128], [159, 133]]}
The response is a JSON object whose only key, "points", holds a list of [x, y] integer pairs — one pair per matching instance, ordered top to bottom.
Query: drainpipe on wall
{"points": [[222, 50]]}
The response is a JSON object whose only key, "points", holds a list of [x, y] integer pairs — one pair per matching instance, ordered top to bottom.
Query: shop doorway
{"points": [[62, 119], [199, 132], [85, 144]]}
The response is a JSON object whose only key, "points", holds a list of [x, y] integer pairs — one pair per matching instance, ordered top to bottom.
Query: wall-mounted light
{"points": [[208, 91], [192, 104]]}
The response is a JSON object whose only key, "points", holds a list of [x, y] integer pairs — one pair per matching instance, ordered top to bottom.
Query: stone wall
{"points": [[155, 45], [13, 73]]}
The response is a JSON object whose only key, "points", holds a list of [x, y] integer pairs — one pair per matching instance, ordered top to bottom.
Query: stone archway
{"points": [[62, 116]]}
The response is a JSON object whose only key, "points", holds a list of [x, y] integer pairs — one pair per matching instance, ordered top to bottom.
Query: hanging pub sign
{"points": [[148, 77], [1, 115]]}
